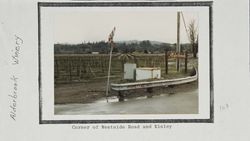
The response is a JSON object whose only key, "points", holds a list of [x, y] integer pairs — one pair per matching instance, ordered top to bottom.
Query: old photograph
{"points": [[127, 60]]}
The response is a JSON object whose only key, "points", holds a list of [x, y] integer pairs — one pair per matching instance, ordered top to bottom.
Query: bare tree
{"points": [[193, 37]]}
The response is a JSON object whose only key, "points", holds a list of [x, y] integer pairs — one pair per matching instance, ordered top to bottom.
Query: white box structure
{"points": [[129, 71], [148, 73]]}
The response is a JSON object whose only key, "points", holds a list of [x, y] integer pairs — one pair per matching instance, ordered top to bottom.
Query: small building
{"points": [[129, 71], [143, 73], [147, 73]]}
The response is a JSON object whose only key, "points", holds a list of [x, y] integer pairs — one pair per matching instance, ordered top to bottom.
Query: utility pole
{"points": [[111, 42], [178, 47]]}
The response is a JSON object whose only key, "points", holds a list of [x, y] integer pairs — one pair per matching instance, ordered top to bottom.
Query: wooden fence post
{"points": [[186, 57], [166, 62], [57, 69], [70, 71]]}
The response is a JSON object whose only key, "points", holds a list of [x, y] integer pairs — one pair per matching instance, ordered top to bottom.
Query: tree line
{"points": [[102, 47]]}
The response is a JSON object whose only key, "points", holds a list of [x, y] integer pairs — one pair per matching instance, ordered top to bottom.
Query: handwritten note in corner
{"points": [[15, 55]]}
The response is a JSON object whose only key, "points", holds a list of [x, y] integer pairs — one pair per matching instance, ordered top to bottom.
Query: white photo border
{"points": [[207, 4]]}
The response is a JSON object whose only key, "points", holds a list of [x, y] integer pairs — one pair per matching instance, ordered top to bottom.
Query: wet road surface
{"points": [[178, 103]]}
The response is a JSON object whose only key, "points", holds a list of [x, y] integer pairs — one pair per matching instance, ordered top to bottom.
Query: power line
{"points": [[182, 15]]}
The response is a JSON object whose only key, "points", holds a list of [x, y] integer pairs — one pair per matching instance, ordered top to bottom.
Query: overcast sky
{"points": [[95, 24]]}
